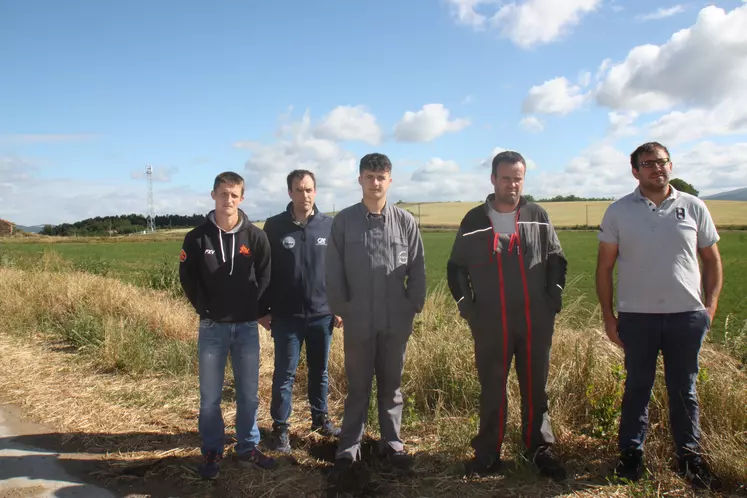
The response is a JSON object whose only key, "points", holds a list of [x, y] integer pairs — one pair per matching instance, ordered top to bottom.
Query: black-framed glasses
{"points": [[662, 161]]}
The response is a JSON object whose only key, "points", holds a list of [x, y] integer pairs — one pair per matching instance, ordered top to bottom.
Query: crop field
{"points": [[564, 214], [133, 260]]}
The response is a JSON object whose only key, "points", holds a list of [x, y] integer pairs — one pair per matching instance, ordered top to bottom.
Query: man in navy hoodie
{"points": [[224, 270], [295, 306]]}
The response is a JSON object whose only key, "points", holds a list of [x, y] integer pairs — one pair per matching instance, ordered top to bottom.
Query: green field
{"points": [[133, 261]]}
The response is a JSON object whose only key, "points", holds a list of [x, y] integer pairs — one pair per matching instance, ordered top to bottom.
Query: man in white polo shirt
{"points": [[655, 235]]}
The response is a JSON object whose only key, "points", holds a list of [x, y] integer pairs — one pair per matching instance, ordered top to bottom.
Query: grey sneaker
{"points": [[325, 428], [280, 442]]}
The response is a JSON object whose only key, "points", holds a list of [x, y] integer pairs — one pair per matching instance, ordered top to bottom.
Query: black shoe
{"points": [[325, 428], [280, 442], [255, 458], [398, 459], [548, 464], [483, 466], [630, 466], [210, 468], [340, 469], [695, 469]]}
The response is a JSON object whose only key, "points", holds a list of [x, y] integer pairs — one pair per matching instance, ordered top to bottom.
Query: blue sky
{"points": [[93, 91]]}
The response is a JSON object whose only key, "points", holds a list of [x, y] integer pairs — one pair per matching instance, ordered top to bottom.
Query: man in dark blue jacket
{"points": [[295, 306]]}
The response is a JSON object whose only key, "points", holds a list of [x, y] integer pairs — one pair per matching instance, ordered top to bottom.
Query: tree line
{"points": [[677, 183], [133, 223], [122, 225]]}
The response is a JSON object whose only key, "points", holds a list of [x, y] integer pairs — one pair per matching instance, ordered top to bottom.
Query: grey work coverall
{"points": [[375, 279], [509, 288]]}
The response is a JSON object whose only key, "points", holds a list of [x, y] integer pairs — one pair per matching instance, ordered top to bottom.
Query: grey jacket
{"points": [[375, 270], [535, 270]]}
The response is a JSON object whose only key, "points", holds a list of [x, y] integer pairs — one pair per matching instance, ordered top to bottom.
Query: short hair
{"points": [[642, 149], [508, 157], [375, 162], [299, 174], [230, 178]]}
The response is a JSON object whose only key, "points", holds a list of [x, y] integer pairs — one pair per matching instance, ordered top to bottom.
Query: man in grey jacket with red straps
{"points": [[506, 273]]}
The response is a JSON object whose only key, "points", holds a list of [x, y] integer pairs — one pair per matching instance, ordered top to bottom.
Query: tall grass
{"points": [[123, 327], [138, 331]]}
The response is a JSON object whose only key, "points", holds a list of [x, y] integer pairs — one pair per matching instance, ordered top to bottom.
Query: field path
{"points": [[27, 471]]}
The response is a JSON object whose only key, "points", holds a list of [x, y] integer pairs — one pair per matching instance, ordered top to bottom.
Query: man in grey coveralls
{"points": [[375, 280]]}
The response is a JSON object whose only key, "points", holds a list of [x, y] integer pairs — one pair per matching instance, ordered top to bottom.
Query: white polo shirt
{"points": [[657, 262]]}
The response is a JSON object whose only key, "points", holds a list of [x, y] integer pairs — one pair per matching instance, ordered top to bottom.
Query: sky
{"points": [[91, 92]]}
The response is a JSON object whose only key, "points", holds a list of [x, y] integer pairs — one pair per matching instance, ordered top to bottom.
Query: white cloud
{"points": [[466, 12], [662, 13], [536, 22], [526, 23], [698, 66], [698, 76], [584, 78], [556, 96], [728, 118], [350, 123], [427, 124], [531, 124], [622, 124], [712, 167], [335, 168], [15, 169], [434, 169], [602, 170], [599, 171], [441, 180], [67, 200]]}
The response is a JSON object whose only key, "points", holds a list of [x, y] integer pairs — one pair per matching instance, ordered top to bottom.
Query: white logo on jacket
{"points": [[321, 241], [289, 242], [209, 251], [402, 257]]}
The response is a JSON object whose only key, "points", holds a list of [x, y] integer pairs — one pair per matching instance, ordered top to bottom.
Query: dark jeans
{"points": [[289, 334], [679, 337]]}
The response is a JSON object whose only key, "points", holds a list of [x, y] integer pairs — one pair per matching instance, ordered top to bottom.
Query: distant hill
{"points": [[739, 194], [31, 229]]}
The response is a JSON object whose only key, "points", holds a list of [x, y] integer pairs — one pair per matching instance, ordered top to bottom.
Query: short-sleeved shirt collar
{"points": [[673, 194]]}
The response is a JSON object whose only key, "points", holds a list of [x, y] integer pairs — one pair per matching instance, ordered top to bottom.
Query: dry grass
{"points": [[564, 214], [142, 414]]}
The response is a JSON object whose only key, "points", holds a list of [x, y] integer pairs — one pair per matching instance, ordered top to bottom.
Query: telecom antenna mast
{"points": [[151, 218]]}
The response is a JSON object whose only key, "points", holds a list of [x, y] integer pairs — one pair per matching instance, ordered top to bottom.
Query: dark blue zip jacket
{"points": [[297, 287]]}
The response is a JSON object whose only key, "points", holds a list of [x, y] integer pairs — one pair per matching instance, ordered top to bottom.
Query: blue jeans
{"points": [[289, 334], [679, 337], [215, 341]]}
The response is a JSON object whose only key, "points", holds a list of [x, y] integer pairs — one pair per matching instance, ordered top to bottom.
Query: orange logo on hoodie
{"points": [[245, 251]]}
